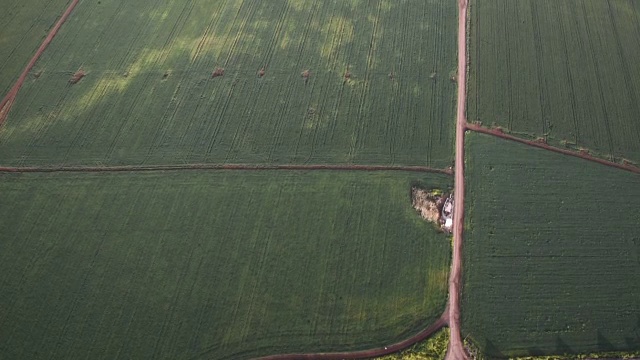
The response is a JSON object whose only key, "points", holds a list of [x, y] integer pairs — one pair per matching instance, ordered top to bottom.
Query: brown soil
{"points": [[217, 72], [305, 76], [77, 77]]}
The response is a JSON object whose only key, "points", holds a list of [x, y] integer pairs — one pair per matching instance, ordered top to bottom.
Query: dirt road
{"points": [[7, 102], [542, 145], [294, 167], [456, 347], [365, 353]]}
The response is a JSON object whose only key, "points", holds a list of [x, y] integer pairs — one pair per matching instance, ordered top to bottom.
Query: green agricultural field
{"points": [[23, 26], [564, 69], [149, 97], [552, 252], [214, 264], [433, 348]]}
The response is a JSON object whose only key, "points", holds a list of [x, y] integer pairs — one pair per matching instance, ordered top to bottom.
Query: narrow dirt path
{"points": [[7, 102], [541, 145], [149, 168], [423, 335], [456, 346]]}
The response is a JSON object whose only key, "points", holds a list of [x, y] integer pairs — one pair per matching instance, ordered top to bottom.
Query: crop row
{"points": [[23, 26], [559, 69], [244, 82], [552, 257], [215, 264]]}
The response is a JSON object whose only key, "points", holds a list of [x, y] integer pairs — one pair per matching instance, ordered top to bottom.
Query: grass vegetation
{"points": [[23, 26], [564, 70], [283, 81], [552, 253], [214, 264], [433, 348]]}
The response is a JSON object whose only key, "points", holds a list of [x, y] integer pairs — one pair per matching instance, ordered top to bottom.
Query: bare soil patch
{"points": [[217, 72], [77, 76]]}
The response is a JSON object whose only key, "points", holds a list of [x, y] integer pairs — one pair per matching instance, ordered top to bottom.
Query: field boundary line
{"points": [[9, 99], [541, 145], [255, 167], [360, 354]]}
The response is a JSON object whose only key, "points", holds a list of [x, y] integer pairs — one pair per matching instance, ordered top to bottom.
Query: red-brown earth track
{"points": [[8, 100], [499, 133], [124, 168], [442, 321], [456, 349]]}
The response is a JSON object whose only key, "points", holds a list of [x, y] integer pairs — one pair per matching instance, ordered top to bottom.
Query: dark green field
{"points": [[23, 26], [561, 69], [149, 96], [552, 252], [214, 264]]}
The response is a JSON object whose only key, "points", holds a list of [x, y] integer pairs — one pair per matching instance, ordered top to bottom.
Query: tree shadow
{"points": [[634, 341], [604, 344], [562, 347], [491, 351], [535, 351]]}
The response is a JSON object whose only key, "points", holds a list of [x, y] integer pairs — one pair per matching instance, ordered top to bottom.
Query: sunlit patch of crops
{"points": [[339, 29], [563, 70], [149, 97], [551, 252], [214, 264], [433, 348]]}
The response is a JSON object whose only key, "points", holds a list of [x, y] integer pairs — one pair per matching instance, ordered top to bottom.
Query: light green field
{"points": [[23, 26], [562, 69], [149, 98], [551, 254], [214, 264], [433, 348]]}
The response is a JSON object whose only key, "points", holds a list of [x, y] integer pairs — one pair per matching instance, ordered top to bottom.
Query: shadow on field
{"points": [[634, 342], [603, 343], [562, 347], [491, 350], [535, 351]]}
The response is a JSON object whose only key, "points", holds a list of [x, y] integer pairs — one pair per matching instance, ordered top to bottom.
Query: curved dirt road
{"points": [[442, 321], [456, 346]]}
